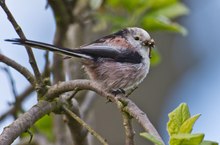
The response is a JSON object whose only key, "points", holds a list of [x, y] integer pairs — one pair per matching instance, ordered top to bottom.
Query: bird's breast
{"points": [[115, 75]]}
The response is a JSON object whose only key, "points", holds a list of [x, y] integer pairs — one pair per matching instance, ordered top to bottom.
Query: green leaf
{"points": [[171, 11], [152, 15], [162, 23], [177, 117], [44, 126], [187, 126], [151, 138], [186, 139], [209, 143]]}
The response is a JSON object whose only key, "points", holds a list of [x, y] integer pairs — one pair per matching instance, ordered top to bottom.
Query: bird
{"points": [[117, 62]]}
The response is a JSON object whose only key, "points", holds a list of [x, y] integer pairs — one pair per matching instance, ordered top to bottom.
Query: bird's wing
{"points": [[114, 46], [105, 51]]}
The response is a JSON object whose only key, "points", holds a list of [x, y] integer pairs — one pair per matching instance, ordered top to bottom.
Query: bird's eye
{"points": [[137, 38]]}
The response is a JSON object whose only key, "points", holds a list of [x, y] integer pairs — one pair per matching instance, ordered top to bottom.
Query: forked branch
{"points": [[130, 107], [20, 125]]}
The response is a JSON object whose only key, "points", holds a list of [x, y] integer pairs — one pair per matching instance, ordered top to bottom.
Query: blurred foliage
{"points": [[151, 15]]}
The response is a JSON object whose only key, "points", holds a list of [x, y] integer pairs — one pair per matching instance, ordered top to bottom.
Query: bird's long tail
{"points": [[45, 46]]}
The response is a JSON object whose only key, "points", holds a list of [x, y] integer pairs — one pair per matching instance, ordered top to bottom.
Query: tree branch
{"points": [[61, 13], [19, 31], [24, 71], [11, 80], [43, 107], [130, 107], [25, 121], [78, 131], [129, 132]]}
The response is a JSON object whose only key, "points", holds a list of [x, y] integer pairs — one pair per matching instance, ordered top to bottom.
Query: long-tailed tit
{"points": [[119, 61]]}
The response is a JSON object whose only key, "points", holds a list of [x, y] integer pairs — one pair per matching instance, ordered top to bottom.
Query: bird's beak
{"points": [[151, 44]]}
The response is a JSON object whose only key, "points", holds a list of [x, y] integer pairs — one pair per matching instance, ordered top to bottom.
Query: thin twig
{"points": [[19, 31], [47, 70], [24, 71], [11, 80], [14, 90], [76, 90], [17, 104], [132, 109], [79, 120], [78, 132], [129, 132], [31, 136], [38, 139]]}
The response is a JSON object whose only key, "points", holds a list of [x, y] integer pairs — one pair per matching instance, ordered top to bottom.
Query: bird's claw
{"points": [[115, 92]]}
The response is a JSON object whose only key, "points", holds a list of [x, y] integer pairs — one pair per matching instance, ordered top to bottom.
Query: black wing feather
{"points": [[118, 56]]}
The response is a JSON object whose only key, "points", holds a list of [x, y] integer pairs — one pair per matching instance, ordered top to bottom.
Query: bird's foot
{"points": [[115, 92]]}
